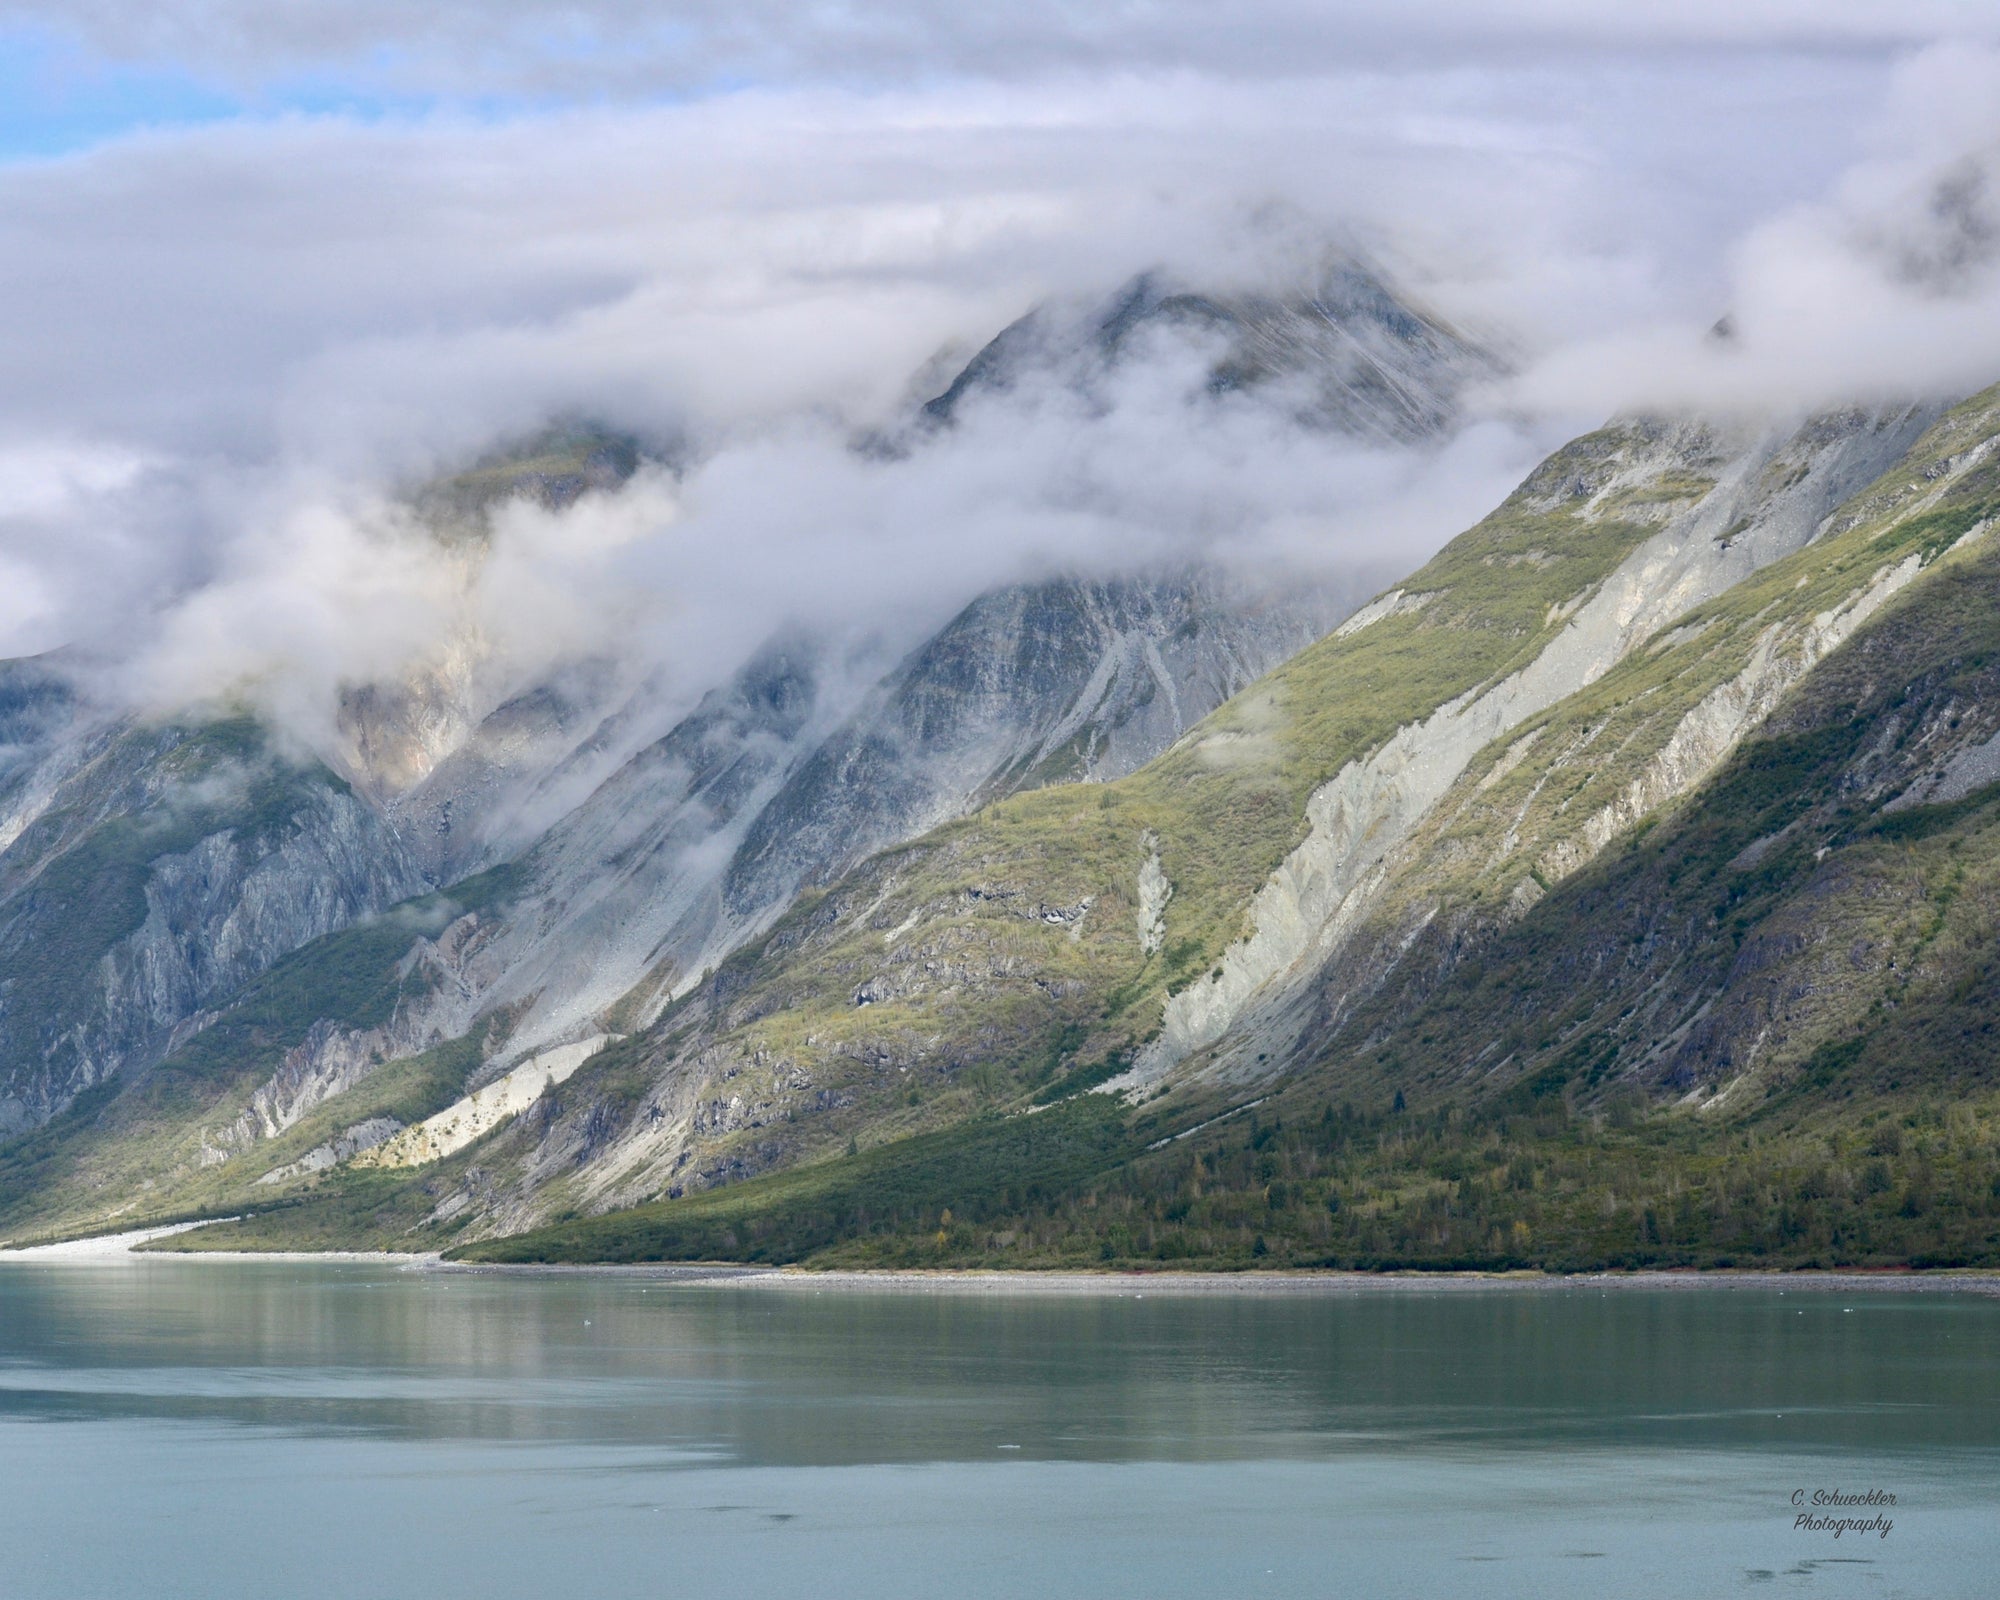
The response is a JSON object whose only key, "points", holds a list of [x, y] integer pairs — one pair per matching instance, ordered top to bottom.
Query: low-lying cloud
{"points": [[234, 348]]}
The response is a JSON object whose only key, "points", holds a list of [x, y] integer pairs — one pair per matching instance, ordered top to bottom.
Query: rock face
{"points": [[1348, 355], [1772, 495], [1593, 653], [1062, 682], [40, 707], [785, 777], [702, 839], [166, 867], [596, 869], [149, 871], [1804, 920], [463, 1121], [347, 1144]]}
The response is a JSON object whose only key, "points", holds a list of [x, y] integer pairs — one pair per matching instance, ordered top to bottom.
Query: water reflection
{"points": [[756, 1376]]}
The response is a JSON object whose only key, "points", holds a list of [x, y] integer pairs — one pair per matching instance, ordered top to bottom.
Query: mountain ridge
{"points": [[1119, 898]]}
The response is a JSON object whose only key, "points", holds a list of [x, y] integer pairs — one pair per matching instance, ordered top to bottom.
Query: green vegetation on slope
{"points": [[551, 468], [1534, 808], [1778, 919], [1856, 940], [963, 973], [136, 1152], [959, 1177], [1523, 1183]]}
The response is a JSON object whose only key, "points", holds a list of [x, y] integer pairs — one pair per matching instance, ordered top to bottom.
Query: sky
{"points": [[265, 267]]}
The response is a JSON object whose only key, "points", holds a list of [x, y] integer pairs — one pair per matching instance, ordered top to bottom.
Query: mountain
{"points": [[1348, 355], [699, 841], [690, 847], [610, 866], [150, 867], [153, 872], [1613, 889], [1195, 903], [1632, 908], [1200, 932]]}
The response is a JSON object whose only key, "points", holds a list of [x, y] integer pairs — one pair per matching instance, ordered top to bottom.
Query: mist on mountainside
{"points": [[227, 498], [679, 630]]}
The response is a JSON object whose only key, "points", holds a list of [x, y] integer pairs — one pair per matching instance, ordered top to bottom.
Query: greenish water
{"points": [[225, 1429]]}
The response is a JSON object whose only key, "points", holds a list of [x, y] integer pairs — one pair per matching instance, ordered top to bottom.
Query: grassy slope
{"points": [[1798, 772], [1510, 829], [982, 998], [1871, 1136]]}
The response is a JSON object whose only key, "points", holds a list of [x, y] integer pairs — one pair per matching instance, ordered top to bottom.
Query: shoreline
{"points": [[122, 1248], [111, 1249], [1981, 1281]]}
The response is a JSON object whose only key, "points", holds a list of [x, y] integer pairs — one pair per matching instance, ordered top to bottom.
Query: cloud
{"points": [[573, 47], [1885, 287], [406, 288], [232, 347]]}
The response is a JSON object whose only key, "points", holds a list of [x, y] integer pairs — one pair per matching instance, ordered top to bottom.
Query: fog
{"points": [[239, 339]]}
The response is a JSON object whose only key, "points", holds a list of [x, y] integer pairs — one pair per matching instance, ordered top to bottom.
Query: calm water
{"points": [[226, 1429]]}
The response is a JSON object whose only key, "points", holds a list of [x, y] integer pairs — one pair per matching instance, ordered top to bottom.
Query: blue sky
{"points": [[74, 73], [57, 95], [54, 97]]}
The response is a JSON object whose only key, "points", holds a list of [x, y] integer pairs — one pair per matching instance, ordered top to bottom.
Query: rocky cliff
{"points": [[1649, 596], [160, 869]]}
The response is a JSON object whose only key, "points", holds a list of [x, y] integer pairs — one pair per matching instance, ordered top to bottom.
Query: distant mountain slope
{"points": [[40, 707], [706, 836], [661, 863], [167, 866], [150, 867], [1056, 933], [449, 991], [1742, 1010]]}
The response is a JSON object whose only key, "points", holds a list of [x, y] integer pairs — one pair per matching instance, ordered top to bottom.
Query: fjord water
{"points": [[225, 1429]]}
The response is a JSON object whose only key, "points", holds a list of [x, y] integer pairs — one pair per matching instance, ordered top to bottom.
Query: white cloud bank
{"points": [[570, 46], [230, 345]]}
